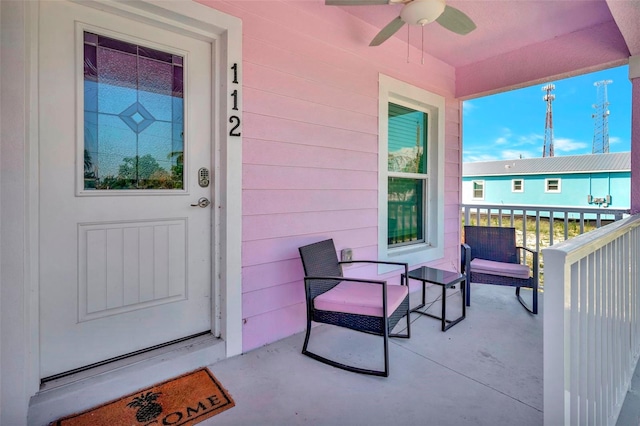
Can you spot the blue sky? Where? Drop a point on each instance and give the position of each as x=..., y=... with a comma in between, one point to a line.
x=509, y=125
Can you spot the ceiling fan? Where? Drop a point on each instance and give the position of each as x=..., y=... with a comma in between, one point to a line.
x=416, y=12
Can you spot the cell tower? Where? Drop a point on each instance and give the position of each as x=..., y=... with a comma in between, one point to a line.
x=601, y=119
x=548, y=126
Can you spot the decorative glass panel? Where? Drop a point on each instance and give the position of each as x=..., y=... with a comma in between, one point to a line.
x=133, y=116
x=407, y=140
x=405, y=207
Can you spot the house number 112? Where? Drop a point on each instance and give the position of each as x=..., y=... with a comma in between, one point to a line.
x=234, y=119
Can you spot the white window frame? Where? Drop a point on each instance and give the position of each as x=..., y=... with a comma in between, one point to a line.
x=546, y=185
x=473, y=189
x=401, y=93
x=513, y=185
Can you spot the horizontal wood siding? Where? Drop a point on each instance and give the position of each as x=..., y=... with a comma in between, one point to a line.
x=310, y=155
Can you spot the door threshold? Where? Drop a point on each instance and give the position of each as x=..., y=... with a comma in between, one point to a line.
x=117, y=362
x=79, y=391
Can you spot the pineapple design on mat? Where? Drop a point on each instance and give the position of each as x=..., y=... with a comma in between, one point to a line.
x=148, y=408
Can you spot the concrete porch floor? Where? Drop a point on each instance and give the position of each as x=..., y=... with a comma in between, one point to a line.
x=486, y=370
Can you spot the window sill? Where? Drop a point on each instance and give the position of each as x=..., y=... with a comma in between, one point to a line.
x=414, y=254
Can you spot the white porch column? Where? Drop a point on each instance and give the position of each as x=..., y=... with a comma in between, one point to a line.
x=634, y=76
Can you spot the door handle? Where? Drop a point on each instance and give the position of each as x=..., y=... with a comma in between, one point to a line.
x=202, y=202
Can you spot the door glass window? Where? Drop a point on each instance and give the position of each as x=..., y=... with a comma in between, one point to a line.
x=133, y=116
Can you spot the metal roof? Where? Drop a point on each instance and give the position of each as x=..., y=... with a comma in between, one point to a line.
x=611, y=162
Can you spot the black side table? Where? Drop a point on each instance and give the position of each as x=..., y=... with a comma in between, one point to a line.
x=445, y=279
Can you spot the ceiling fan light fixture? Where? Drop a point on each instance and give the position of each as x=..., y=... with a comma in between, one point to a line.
x=422, y=12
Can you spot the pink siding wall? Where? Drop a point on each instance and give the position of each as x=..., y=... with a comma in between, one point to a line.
x=310, y=148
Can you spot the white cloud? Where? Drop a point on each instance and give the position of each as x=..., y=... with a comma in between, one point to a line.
x=477, y=157
x=505, y=138
x=508, y=137
x=506, y=146
x=509, y=146
x=468, y=106
x=569, y=145
x=514, y=154
x=531, y=139
x=497, y=155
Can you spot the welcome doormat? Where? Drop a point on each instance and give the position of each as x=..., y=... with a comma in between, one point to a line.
x=185, y=400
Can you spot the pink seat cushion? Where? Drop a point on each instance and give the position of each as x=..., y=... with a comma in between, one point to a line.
x=360, y=298
x=514, y=270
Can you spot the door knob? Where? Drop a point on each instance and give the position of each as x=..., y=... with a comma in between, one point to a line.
x=202, y=202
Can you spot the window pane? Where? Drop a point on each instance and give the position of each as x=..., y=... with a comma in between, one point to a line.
x=478, y=190
x=407, y=140
x=405, y=206
x=133, y=118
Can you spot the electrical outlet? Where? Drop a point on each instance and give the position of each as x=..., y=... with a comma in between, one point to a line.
x=346, y=255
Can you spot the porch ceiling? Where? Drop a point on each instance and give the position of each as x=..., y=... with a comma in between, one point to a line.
x=521, y=42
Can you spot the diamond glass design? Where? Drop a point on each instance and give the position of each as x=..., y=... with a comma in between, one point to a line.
x=137, y=117
x=133, y=116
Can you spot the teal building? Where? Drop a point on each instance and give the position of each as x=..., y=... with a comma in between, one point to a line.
x=577, y=181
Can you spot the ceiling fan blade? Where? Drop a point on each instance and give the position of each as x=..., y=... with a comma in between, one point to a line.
x=456, y=21
x=354, y=2
x=391, y=28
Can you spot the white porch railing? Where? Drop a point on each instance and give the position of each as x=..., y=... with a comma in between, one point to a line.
x=591, y=324
x=542, y=219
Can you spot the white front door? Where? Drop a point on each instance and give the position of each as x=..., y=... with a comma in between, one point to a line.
x=124, y=129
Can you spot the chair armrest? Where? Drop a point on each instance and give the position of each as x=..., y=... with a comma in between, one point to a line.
x=535, y=260
x=465, y=257
x=533, y=252
x=316, y=285
x=384, y=262
x=357, y=280
x=375, y=261
x=527, y=249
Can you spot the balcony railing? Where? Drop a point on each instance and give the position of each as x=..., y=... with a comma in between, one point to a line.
x=541, y=226
x=405, y=222
x=591, y=304
x=591, y=324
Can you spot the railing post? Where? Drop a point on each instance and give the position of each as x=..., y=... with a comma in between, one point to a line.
x=556, y=332
x=524, y=229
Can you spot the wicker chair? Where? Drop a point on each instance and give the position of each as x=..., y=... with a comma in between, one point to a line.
x=369, y=306
x=490, y=256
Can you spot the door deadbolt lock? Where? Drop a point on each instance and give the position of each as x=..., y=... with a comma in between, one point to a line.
x=202, y=202
x=203, y=177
